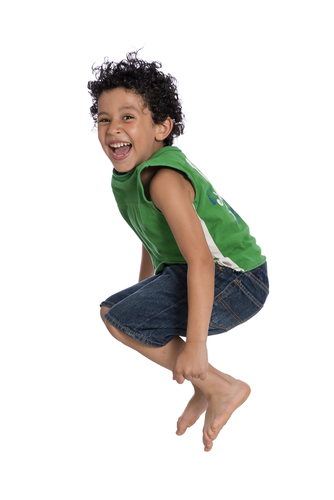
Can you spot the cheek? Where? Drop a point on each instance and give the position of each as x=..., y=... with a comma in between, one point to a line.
x=100, y=135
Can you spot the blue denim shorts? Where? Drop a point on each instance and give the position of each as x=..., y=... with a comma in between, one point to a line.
x=156, y=309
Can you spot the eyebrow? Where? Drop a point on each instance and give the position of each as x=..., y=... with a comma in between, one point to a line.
x=129, y=107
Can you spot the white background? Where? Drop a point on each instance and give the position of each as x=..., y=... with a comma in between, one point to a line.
x=81, y=416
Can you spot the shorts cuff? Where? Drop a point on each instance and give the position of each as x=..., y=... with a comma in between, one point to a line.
x=131, y=333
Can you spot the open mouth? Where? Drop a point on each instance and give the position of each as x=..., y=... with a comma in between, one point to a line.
x=120, y=150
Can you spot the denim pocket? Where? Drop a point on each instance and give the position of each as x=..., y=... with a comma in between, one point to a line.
x=239, y=300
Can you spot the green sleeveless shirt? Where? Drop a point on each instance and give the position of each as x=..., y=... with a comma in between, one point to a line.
x=226, y=233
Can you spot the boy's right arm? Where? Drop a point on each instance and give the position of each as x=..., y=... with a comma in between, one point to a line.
x=146, y=267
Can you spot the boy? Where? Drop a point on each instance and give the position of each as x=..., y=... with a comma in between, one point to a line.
x=201, y=271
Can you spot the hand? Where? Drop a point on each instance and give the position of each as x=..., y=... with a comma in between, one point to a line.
x=191, y=364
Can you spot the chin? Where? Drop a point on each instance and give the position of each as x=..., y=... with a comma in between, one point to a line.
x=123, y=170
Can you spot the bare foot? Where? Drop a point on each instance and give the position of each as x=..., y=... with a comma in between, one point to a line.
x=194, y=409
x=232, y=394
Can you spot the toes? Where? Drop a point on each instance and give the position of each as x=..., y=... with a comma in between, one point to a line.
x=180, y=432
x=211, y=432
x=181, y=428
x=207, y=443
x=218, y=424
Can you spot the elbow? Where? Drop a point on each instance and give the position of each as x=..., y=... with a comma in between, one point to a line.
x=204, y=263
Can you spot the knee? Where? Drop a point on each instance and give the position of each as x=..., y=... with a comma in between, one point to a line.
x=103, y=311
x=114, y=332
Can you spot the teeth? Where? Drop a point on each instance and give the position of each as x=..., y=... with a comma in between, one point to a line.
x=120, y=144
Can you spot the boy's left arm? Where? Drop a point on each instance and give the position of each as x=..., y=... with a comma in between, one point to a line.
x=172, y=194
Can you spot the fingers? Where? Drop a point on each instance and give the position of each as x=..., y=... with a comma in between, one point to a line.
x=178, y=377
x=181, y=377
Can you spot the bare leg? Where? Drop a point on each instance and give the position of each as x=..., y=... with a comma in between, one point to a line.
x=219, y=394
x=166, y=357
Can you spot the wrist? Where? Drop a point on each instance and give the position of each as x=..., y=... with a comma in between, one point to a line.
x=196, y=342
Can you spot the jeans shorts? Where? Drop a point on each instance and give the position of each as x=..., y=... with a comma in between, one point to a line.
x=156, y=309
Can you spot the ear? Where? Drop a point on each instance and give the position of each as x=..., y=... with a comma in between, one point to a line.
x=164, y=129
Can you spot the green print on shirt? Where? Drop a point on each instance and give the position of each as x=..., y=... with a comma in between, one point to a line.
x=215, y=198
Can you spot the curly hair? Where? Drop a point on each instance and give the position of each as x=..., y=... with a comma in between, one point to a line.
x=158, y=91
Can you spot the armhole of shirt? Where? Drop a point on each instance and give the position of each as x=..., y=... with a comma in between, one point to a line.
x=158, y=167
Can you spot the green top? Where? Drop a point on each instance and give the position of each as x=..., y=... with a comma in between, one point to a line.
x=226, y=233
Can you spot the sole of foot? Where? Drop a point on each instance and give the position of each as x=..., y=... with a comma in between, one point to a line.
x=220, y=408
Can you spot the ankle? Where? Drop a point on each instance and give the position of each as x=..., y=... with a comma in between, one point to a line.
x=198, y=393
x=215, y=384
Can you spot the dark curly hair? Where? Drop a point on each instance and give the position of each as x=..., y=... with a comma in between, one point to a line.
x=159, y=91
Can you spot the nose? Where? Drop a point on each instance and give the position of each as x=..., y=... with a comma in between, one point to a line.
x=114, y=127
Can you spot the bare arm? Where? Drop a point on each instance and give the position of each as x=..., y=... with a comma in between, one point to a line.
x=172, y=194
x=146, y=266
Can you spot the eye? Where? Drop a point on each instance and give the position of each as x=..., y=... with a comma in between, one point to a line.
x=104, y=120
x=127, y=117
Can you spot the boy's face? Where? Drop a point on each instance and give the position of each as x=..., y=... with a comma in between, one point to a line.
x=126, y=130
